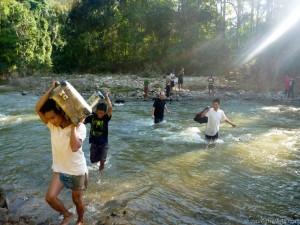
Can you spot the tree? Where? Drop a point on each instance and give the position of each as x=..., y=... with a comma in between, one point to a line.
x=24, y=42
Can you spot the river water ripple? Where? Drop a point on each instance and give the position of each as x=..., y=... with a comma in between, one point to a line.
x=166, y=173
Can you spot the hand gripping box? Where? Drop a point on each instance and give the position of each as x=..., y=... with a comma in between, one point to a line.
x=71, y=102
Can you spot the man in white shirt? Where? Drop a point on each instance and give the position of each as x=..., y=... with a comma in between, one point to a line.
x=69, y=164
x=215, y=116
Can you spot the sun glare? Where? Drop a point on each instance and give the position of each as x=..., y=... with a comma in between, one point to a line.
x=284, y=26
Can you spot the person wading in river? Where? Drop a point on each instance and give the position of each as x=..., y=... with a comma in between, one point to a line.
x=69, y=164
x=159, y=106
x=99, y=132
x=215, y=116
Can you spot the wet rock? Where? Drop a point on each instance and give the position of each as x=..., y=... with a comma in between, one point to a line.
x=14, y=202
x=3, y=203
x=113, y=214
x=3, y=215
x=6, y=88
x=120, y=101
x=230, y=94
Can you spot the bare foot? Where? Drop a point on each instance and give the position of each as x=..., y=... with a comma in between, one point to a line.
x=79, y=223
x=101, y=167
x=66, y=219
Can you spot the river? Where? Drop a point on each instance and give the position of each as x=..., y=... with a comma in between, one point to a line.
x=165, y=173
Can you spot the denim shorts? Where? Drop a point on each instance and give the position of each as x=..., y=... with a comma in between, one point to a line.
x=73, y=182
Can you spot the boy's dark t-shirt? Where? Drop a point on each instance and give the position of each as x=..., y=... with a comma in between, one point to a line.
x=99, y=129
x=159, y=106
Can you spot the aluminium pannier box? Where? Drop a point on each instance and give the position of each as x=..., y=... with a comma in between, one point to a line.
x=96, y=98
x=71, y=102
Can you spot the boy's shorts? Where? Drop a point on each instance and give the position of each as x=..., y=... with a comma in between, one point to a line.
x=98, y=152
x=172, y=83
x=158, y=120
x=73, y=182
x=208, y=137
x=168, y=89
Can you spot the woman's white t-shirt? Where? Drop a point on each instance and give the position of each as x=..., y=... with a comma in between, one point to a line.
x=64, y=159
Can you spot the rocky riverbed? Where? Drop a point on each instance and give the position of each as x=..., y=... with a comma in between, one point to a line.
x=130, y=87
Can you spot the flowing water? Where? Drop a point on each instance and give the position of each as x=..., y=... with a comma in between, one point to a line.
x=165, y=173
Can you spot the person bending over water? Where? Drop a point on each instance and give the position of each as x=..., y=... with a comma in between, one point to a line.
x=215, y=116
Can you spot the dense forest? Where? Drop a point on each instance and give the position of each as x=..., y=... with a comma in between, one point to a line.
x=250, y=37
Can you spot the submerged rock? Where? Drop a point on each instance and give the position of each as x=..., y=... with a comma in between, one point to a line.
x=3, y=203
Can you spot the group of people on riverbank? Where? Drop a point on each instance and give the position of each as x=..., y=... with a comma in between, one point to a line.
x=170, y=84
x=170, y=81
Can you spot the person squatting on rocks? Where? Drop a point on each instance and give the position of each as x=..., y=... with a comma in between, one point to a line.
x=69, y=164
x=215, y=116
x=99, y=132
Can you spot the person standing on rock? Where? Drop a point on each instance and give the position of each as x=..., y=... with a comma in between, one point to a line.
x=286, y=85
x=146, y=89
x=99, y=132
x=172, y=76
x=159, y=106
x=291, y=87
x=69, y=164
x=214, y=117
x=168, y=84
x=180, y=79
x=210, y=85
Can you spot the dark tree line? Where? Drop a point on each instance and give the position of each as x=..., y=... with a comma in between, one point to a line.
x=95, y=36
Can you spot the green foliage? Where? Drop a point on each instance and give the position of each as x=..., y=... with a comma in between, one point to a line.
x=145, y=37
x=122, y=89
x=25, y=41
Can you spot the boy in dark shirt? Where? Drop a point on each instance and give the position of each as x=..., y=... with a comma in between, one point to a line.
x=99, y=132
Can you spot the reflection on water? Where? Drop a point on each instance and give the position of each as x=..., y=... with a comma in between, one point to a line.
x=165, y=173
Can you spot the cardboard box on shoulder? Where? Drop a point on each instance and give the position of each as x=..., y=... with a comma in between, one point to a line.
x=71, y=102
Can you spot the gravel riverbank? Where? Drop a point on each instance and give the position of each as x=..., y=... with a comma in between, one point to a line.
x=130, y=87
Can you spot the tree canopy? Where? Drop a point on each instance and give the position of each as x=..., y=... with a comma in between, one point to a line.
x=94, y=36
